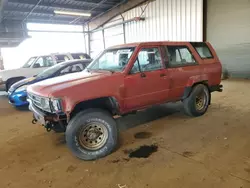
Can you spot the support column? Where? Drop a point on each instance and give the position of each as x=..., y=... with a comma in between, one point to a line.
x=1, y=61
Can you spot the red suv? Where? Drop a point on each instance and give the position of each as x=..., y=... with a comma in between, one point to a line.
x=122, y=80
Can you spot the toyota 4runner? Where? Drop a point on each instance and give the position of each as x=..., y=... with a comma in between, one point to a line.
x=122, y=80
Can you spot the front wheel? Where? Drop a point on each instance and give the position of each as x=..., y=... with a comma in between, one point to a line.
x=92, y=134
x=198, y=101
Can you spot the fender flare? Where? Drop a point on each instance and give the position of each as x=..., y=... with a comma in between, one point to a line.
x=188, y=90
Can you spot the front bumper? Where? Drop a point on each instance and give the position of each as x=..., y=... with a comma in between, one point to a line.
x=18, y=98
x=44, y=117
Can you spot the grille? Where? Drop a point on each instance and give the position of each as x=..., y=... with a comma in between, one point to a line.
x=36, y=100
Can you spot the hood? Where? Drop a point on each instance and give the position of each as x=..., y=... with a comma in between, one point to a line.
x=20, y=83
x=48, y=87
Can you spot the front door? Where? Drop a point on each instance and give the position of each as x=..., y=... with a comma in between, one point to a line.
x=148, y=81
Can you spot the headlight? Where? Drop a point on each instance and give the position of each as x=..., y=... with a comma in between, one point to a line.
x=56, y=105
x=45, y=104
x=22, y=88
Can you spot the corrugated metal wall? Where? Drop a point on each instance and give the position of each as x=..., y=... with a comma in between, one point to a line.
x=114, y=35
x=228, y=29
x=173, y=20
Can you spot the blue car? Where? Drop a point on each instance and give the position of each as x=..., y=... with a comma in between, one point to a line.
x=17, y=93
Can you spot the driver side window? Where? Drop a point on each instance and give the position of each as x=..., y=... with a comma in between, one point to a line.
x=66, y=70
x=38, y=63
x=148, y=59
x=43, y=62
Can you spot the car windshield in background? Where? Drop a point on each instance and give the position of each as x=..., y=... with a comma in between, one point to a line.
x=80, y=56
x=114, y=60
x=50, y=71
x=29, y=62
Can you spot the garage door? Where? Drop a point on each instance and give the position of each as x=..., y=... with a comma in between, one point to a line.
x=228, y=29
x=96, y=43
x=115, y=35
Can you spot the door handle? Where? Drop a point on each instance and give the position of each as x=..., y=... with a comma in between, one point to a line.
x=162, y=75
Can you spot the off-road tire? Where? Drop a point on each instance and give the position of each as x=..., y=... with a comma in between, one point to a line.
x=190, y=103
x=81, y=121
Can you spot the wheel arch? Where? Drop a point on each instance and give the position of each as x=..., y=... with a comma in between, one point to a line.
x=109, y=104
x=188, y=89
x=8, y=81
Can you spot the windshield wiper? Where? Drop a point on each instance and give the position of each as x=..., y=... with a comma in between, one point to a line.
x=101, y=70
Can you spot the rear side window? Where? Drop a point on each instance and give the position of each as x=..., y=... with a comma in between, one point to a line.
x=203, y=50
x=80, y=56
x=179, y=56
x=61, y=58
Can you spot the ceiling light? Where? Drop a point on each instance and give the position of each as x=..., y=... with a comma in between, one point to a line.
x=70, y=13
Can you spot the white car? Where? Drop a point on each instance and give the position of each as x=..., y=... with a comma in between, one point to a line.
x=34, y=66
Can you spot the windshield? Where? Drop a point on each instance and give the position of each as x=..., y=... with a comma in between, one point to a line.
x=112, y=60
x=29, y=62
x=48, y=72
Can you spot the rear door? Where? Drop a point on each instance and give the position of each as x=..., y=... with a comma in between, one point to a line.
x=181, y=66
x=147, y=83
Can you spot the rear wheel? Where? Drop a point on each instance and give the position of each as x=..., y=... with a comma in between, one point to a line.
x=11, y=82
x=92, y=134
x=198, y=101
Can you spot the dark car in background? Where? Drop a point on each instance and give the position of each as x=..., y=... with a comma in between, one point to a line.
x=17, y=93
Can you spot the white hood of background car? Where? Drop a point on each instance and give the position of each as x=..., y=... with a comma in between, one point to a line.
x=24, y=72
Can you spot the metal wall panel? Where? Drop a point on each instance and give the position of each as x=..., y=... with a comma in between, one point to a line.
x=115, y=35
x=228, y=29
x=96, y=43
x=173, y=20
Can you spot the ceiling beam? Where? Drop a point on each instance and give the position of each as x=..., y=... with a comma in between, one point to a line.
x=39, y=19
x=25, y=10
x=80, y=7
x=106, y=16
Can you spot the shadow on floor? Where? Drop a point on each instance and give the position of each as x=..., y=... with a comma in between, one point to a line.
x=23, y=108
x=148, y=115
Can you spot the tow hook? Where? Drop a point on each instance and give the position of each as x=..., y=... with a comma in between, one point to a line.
x=34, y=121
x=48, y=127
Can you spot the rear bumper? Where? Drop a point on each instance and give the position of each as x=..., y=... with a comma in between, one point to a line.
x=218, y=88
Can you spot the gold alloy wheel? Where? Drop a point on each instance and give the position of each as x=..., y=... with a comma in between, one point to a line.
x=93, y=136
x=200, y=101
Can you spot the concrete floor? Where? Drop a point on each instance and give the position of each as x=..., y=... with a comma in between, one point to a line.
x=205, y=152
